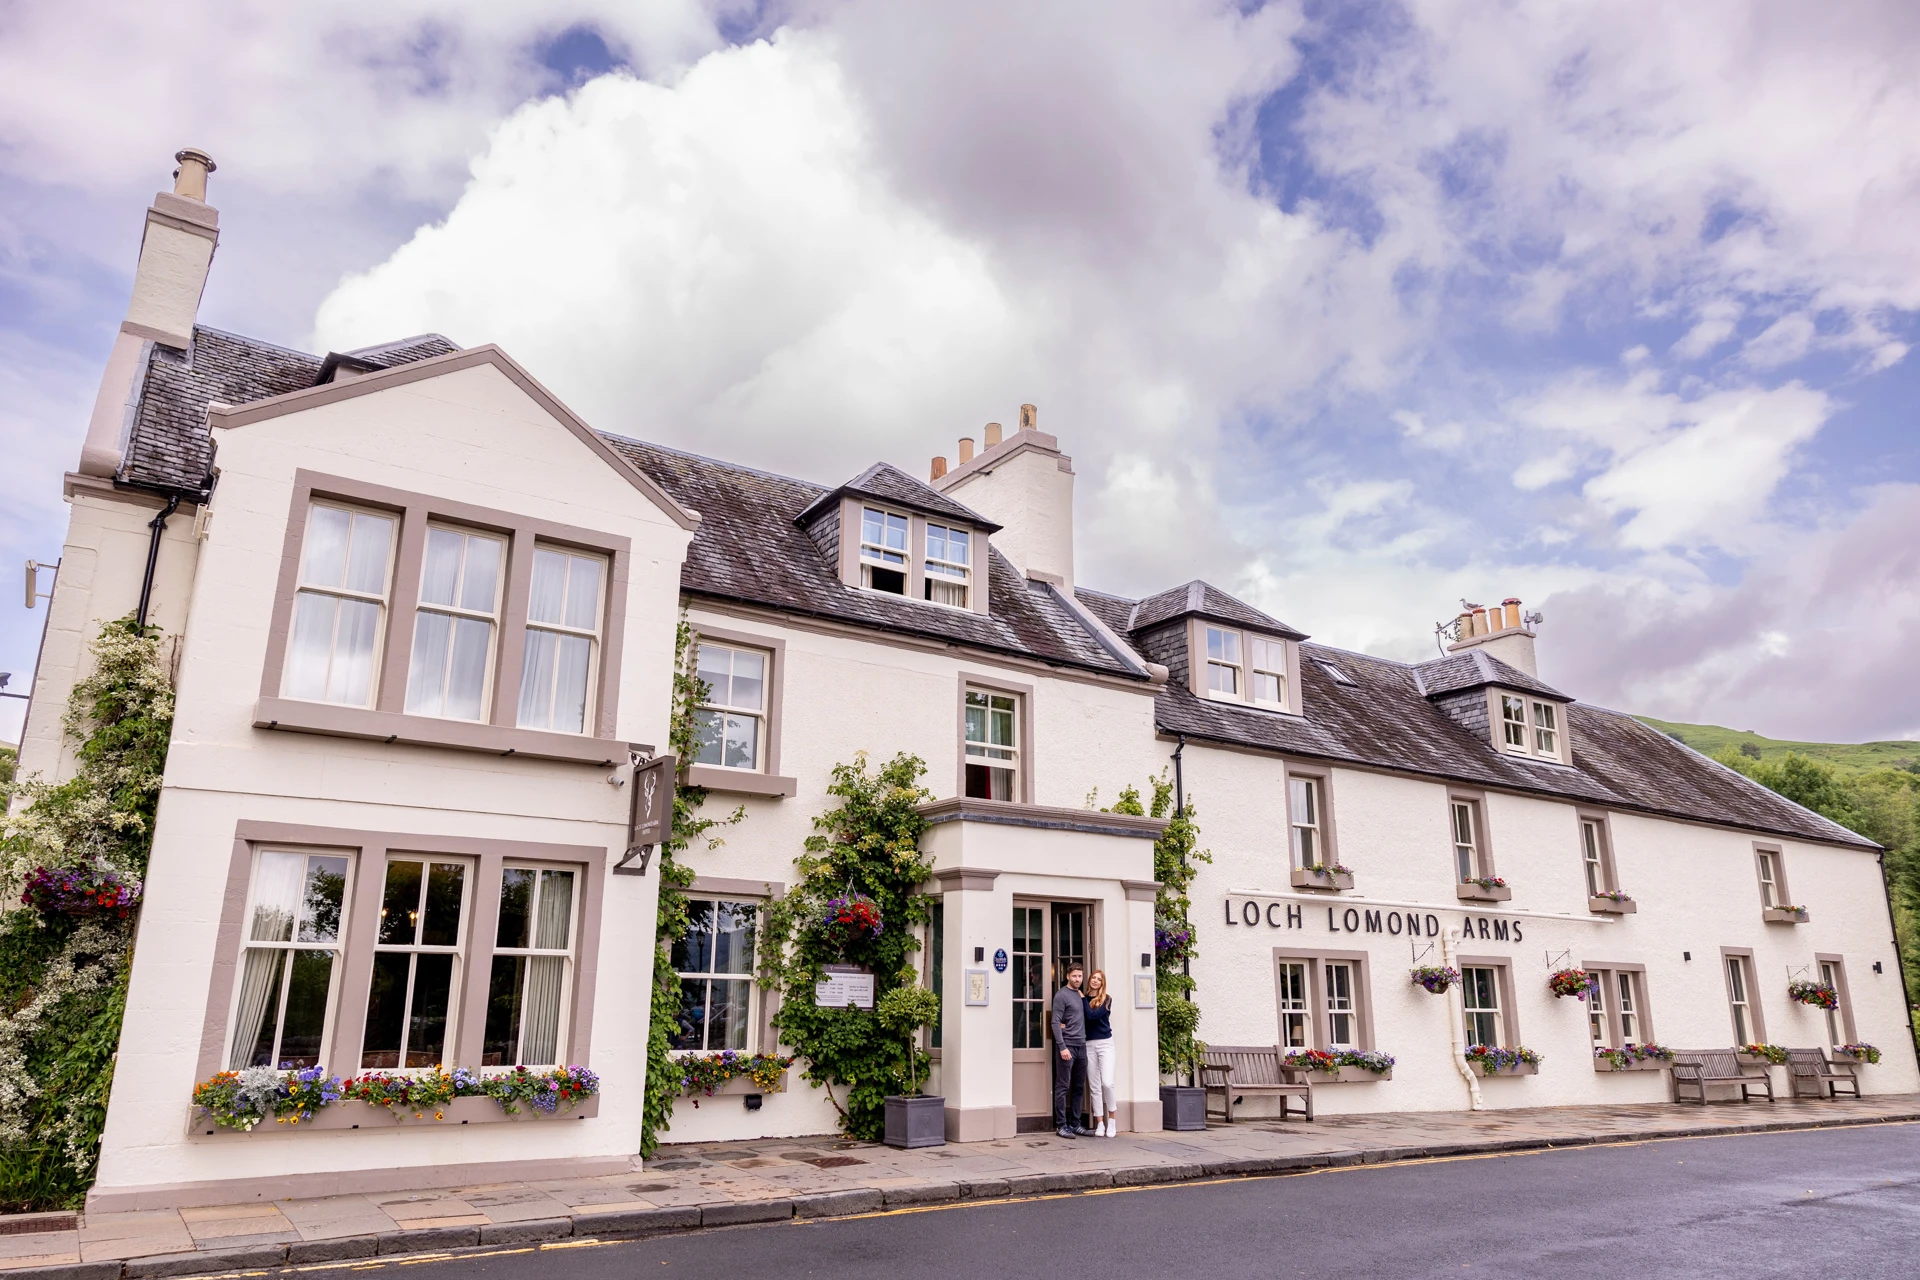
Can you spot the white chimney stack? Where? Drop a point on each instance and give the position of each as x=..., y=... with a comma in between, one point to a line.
x=1503, y=630
x=1024, y=484
x=176, y=252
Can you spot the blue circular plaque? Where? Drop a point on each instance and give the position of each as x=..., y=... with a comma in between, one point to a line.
x=1000, y=960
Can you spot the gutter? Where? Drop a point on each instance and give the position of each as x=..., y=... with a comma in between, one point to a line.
x=1899, y=956
x=1456, y=1025
x=159, y=526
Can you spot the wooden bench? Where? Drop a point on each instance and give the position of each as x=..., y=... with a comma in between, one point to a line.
x=1699, y=1068
x=1813, y=1075
x=1234, y=1071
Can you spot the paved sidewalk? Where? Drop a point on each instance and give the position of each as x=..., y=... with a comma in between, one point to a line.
x=776, y=1179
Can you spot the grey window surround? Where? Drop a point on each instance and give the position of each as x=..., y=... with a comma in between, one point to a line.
x=1316, y=959
x=768, y=780
x=1754, y=1007
x=387, y=720
x=1645, y=1011
x=1024, y=752
x=1196, y=630
x=368, y=852
x=1502, y=967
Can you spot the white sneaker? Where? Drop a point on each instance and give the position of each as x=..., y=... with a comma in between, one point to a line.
x=1107, y=1130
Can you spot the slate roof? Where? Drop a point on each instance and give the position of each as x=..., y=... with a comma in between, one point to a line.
x=1476, y=669
x=888, y=483
x=1386, y=719
x=750, y=548
x=169, y=448
x=1203, y=599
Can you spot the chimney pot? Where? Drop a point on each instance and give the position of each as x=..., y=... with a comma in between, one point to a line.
x=1029, y=418
x=966, y=450
x=993, y=434
x=939, y=467
x=1511, y=607
x=190, y=179
x=1480, y=627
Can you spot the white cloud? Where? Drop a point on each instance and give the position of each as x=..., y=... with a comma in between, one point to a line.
x=1538, y=473
x=1782, y=342
x=1718, y=320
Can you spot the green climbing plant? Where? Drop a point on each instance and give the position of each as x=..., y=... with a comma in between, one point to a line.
x=63, y=978
x=866, y=847
x=665, y=1081
x=1176, y=859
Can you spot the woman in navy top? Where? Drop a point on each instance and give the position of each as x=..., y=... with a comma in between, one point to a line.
x=1100, y=1057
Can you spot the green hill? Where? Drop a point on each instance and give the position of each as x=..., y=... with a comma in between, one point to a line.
x=1847, y=757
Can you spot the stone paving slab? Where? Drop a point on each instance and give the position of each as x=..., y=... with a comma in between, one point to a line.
x=691, y=1186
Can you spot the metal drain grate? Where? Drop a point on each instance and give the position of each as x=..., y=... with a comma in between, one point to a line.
x=27, y=1224
x=834, y=1162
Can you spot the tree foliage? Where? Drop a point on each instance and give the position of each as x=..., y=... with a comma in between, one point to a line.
x=1175, y=864
x=867, y=844
x=63, y=980
x=683, y=739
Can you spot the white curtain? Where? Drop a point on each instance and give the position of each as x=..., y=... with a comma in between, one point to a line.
x=546, y=975
x=259, y=981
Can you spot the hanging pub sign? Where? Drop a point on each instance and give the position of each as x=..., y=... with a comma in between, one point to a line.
x=844, y=986
x=649, y=813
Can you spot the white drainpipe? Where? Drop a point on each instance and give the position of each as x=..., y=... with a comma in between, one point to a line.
x=1456, y=1025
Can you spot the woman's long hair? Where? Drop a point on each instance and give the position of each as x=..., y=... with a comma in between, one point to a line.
x=1105, y=997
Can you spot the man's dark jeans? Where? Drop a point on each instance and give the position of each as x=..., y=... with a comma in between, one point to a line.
x=1069, y=1083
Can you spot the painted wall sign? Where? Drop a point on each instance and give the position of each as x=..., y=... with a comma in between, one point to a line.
x=845, y=986
x=1249, y=913
x=1000, y=960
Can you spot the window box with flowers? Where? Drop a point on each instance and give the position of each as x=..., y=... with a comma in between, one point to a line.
x=1771, y=1055
x=1340, y=1066
x=243, y=1101
x=1784, y=915
x=1323, y=875
x=1632, y=1057
x=1484, y=889
x=1862, y=1053
x=730, y=1072
x=1612, y=903
x=1495, y=1060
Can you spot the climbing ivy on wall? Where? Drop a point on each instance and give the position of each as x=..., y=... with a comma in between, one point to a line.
x=63, y=976
x=664, y=1080
x=1175, y=863
x=867, y=847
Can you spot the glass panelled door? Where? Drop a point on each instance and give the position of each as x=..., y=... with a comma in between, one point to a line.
x=1029, y=978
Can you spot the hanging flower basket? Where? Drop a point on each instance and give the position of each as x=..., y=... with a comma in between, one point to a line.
x=1436, y=978
x=1172, y=939
x=1817, y=994
x=851, y=918
x=1577, y=983
x=97, y=890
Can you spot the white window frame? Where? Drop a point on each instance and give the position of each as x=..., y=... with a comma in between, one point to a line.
x=1274, y=667
x=1740, y=1000
x=1472, y=849
x=1471, y=1012
x=1306, y=813
x=878, y=555
x=1831, y=975
x=1294, y=987
x=1525, y=725
x=1599, y=1025
x=980, y=751
x=460, y=950
x=711, y=975
x=758, y=713
x=382, y=601
x=593, y=637
x=1629, y=1009
x=1513, y=724
x=1770, y=896
x=458, y=612
x=1593, y=857
x=563, y=1032
x=1546, y=729
x=943, y=571
x=1232, y=661
x=1341, y=1004
x=293, y=943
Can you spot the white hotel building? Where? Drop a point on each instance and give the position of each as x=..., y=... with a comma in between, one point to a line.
x=423, y=615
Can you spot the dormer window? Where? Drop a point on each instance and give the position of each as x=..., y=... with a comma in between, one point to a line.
x=949, y=566
x=1234, y=664
x=883, y=551
x=1529, y=727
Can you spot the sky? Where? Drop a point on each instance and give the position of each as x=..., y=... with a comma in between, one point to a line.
x=1355, y=310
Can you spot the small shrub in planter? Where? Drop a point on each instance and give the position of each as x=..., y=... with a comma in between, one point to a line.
x=1776, y=1055
x=1493, y=1059
x=1577, y=983
x=1436, y=978
x=1860, y=1052
x=1817, y=994
x=913, y=1119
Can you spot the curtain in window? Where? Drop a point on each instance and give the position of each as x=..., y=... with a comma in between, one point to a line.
x=546, y=975
x=254, y=1023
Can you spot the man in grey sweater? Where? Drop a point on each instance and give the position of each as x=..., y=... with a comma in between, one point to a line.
x=1070, y=1060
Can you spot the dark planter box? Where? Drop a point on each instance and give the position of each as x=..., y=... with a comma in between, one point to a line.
x=1183, y=1108
x=916, y=1122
